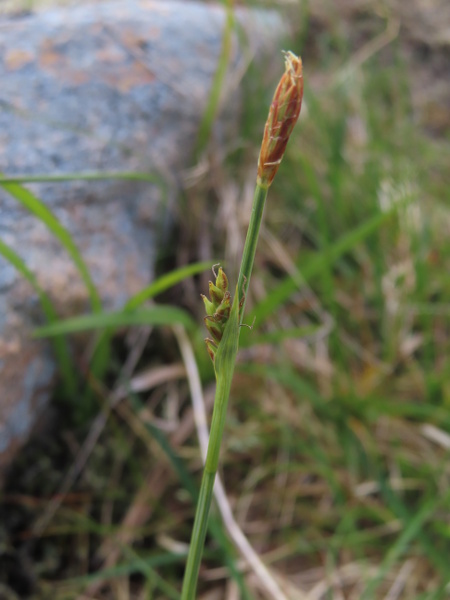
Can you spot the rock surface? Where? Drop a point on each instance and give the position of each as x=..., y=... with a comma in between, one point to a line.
x=107, y=87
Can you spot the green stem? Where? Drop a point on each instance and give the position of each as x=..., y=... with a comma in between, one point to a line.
x=206, y=488
x=248, y=256
x=224, y=365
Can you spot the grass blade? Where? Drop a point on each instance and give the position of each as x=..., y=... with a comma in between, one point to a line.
x=165, y=282
x=189, y=484
x=35, y=206
x=210, y=111
x=315, y=266
x=59, y=344
x=399, y=547
x=94, y=176
x=126, y=568
x=156, y=315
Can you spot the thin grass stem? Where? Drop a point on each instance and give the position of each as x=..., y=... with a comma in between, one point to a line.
x=248, y=256
x=283, y=115
x=224, y=374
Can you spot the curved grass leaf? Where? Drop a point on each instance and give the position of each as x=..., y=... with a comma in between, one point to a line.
x=400, y=546
x=317, y=264
x=155, y=315
x=60, y=345
x=165, y=282
x=35, y=206
x=126, y=568
x=94, y=176
x=212, y=106
x=101, y=356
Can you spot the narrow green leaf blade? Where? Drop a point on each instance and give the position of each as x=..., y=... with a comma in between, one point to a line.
x=281, y=292
x=156, y=315
x=60, y=345
x=165, y=282
x=92, y=176
x=36, y=207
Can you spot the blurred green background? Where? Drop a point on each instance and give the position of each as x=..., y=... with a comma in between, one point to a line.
x=335, y=457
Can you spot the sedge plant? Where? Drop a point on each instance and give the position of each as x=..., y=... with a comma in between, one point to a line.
x=224, y=315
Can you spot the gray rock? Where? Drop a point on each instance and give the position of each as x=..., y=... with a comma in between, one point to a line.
x=107, y=87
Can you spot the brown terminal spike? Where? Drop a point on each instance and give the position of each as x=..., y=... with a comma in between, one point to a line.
x=283, y=115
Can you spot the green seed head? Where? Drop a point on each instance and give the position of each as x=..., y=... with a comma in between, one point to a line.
x=216, y=294
x=211, y=346
x=210, y=308
x=218, y=310
x=222, y=280
x=214, y=328
x=223, y=312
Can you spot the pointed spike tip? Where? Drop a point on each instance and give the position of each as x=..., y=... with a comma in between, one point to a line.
x=222, y=280
x=210, y=308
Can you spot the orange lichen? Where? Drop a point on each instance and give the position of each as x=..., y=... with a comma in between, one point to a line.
x=16, y=59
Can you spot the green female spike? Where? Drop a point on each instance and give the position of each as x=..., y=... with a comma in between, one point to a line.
x=223, y=312
x=210, y=308
x=222, y=280
x=216, y=294
x=214, y=328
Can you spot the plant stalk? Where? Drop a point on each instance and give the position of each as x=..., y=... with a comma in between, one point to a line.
x=207, y=485
x=248, y=256
x=283, y=115
x=224, y=377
